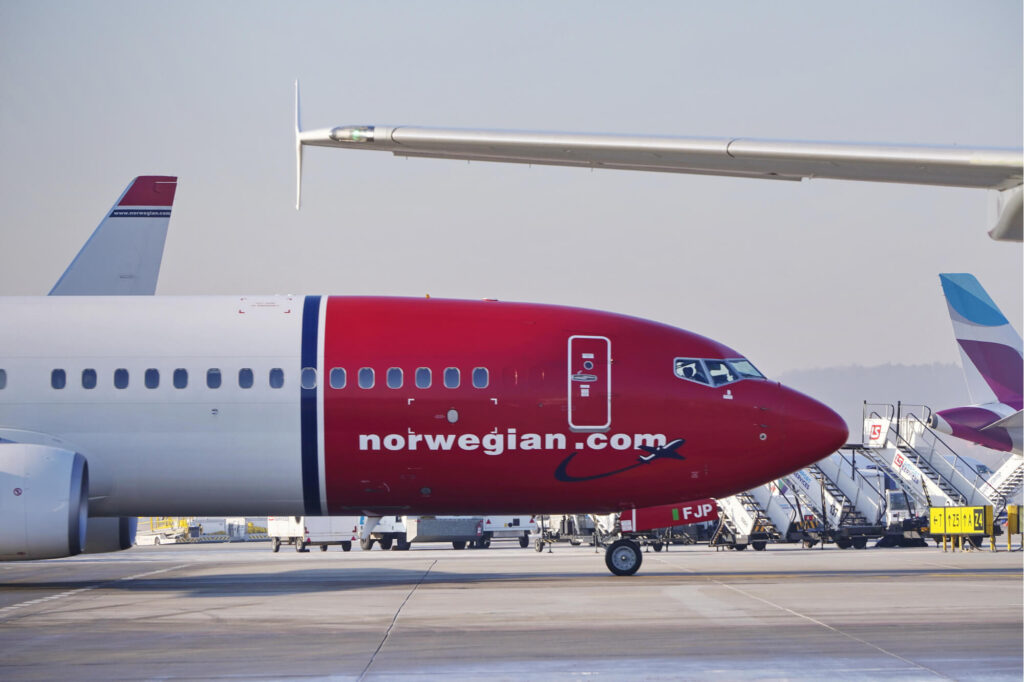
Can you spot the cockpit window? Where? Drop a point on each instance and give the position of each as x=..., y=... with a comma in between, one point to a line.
x=745, y=369
x=715, y=372
x=692, y=370
x=719, y=372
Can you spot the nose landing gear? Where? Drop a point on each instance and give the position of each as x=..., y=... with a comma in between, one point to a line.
x=623, y=557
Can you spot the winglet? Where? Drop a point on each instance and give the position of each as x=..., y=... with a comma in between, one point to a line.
x=298, y=150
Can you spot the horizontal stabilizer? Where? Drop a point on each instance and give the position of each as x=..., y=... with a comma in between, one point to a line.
x=1014, y=421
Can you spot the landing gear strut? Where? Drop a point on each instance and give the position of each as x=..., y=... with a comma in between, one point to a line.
x=623, y=557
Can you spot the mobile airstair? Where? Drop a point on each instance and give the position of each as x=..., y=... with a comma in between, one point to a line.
x=848, y=503
x=926, y=467
x=1009, y=477
x=747, y=519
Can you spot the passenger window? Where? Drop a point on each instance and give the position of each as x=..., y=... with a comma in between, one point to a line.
x=3, y=379
x=394, y=377
x=58, y=378
x=245, y=378
x=719, y=372
x=366, y=377
x=88, y=379
x=152, y=378
x=213, y=378
x=121, y=378
x=691, y=369
x=451, y=377
x=180, y=378
x=309, y=378
x=423, y=377
x=481, y=377
x=338, y=377
x=276, y=377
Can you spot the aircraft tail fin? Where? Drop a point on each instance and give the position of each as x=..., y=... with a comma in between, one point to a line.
x=990, y=348
x=123, y=255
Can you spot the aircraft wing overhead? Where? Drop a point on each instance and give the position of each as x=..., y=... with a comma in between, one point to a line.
x=972, y=167
x=774, y=159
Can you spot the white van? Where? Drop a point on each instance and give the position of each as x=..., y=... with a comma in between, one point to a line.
x=304, y=531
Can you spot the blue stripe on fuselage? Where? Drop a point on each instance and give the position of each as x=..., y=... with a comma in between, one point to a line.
x=310, y=466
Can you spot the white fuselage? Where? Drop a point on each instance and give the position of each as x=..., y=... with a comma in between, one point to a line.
x=193, y=449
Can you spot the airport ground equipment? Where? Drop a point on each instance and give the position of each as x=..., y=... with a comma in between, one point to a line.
x=576, y=529
x=460, y=531
x=166, y=530
x=898, y=440
x=312, y=531
x=386, y=531
x=1009, y=477
x=848, y=503
x=743, y=521
x=519, y=527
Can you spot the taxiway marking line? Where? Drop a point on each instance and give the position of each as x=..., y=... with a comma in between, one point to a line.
x=8, y=610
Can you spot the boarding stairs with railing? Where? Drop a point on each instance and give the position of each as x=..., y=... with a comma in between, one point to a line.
x=925, y=465
x=742, y=520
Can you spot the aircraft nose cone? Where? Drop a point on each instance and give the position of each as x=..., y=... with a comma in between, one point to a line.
x=813, y=430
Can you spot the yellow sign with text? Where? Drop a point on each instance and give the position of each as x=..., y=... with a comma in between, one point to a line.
x=961, y=520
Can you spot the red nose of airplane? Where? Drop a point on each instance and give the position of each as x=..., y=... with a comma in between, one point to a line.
x=813, y=430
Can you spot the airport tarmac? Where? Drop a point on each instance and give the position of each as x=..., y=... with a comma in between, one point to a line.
x=215, y=611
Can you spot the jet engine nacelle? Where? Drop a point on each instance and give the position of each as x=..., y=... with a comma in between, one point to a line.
x=44, y=501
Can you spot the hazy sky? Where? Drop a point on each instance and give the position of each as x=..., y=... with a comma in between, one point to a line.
x=794, y=275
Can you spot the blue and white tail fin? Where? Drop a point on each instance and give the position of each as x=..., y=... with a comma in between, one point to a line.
x=123, y=255
x=989, y=347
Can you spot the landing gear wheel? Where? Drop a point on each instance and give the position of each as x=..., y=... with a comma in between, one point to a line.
x=459, y=544
x=275, y=544
x=366, y=544
x=759, y=546
x=524, y=540
x=346, y=546
x=623, y=557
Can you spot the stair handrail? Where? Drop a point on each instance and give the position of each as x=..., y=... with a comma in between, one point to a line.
x=948, y=460
x=857, y=475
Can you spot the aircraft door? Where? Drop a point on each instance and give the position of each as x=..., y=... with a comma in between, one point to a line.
x=590, y=383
